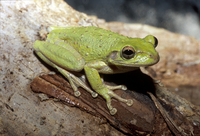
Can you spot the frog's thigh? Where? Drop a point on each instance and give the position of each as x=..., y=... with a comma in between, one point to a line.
x=64, y=56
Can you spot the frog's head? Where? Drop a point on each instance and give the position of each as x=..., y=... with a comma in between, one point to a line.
x=135, y=52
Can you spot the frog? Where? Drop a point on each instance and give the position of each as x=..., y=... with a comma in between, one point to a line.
x=96, y=51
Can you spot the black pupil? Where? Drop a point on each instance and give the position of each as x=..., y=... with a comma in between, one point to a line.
x=128, y=52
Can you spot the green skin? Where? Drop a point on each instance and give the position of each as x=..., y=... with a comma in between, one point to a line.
x=96, y=51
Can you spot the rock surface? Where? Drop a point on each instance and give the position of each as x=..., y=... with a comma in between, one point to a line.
x=22, y=113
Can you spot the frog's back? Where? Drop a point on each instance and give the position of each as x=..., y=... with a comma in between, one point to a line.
x=92, y=42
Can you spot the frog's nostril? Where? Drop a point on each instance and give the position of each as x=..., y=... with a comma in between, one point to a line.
x=155, y=57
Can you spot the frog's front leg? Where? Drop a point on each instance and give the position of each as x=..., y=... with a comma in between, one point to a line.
x=102, y=89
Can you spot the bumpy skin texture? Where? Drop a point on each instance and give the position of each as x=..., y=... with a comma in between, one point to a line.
x=96, y=51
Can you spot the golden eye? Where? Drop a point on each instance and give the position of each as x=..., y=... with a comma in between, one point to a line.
x=128, y=52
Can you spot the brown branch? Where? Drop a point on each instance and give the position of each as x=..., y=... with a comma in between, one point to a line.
x=141, y=118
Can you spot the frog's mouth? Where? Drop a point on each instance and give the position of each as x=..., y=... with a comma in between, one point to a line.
x=139, y=60
x=144, y=60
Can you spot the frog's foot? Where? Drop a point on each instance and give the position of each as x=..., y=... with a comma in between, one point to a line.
x=123, y=87
x=75, y=82
x=108, y=95
x=129, y=102
x=80, y=83
x=72, y=82
x=112, y=110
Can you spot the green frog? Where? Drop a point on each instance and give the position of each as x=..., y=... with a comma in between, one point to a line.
x=96, y=50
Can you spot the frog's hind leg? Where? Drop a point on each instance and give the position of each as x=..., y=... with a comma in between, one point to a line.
x=74, y=81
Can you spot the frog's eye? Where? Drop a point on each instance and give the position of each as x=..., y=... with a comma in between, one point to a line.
x=155, y=42
x=128, y=52
x=151, y=39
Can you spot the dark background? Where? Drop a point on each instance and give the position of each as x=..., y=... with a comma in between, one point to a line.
x=181, y=16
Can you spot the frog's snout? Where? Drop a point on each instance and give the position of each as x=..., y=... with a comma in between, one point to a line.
x=155, y=57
